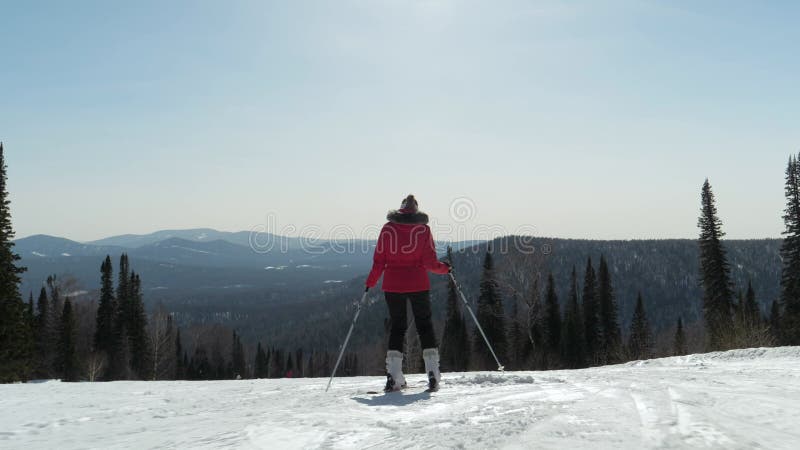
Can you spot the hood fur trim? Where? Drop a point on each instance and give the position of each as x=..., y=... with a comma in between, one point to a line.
x=417, y=218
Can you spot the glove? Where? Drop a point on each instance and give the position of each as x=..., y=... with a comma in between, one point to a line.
x=449, y=266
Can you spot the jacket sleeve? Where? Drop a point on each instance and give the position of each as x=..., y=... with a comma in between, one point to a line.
x=429, y=259
x=378, y=259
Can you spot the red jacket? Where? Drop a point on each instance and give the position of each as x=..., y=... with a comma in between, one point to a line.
x=406, y=252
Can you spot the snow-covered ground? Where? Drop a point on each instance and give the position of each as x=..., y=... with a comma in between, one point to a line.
x=739, y=399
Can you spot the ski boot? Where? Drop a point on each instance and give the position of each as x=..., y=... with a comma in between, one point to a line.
x=431, y=357
x=395, y=380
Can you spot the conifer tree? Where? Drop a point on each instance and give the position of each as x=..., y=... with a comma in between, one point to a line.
x=640, y=343
x=574, y=345
x=16, y=340
x=30, y=312
x=261, y=364
x=752, y=312
x=137, y=330
x=552, y=321
x=42, y=349
x=790, y=253
x=106, y=309
x=610, y=348
x=180, y=367
x=491, y=316
x=679, y=346
x=41, y=311
x=455, y=340
x=68, y=364
x=714, y=274
x=775, y=321
x=311, y=369
x=119, y=360
x=237, y=357
x=299, y=363
x=591, y=314
x=289, y=372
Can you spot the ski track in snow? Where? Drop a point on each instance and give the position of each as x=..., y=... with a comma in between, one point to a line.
x=740, y=399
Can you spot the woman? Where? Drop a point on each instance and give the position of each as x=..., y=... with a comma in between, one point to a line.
x=406, y=253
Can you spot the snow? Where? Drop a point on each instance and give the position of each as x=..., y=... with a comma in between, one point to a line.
x=194, y=250
x=739, y=399
x=65, y=254
x=41, y=255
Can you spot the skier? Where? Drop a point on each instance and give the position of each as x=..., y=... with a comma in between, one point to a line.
x=406, y=253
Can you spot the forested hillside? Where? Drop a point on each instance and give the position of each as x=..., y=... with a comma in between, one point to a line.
x=665, y=272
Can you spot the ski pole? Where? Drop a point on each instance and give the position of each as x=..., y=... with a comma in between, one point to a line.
x=466, y=303
x=347, y=339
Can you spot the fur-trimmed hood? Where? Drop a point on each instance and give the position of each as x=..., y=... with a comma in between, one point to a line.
x=417, y=218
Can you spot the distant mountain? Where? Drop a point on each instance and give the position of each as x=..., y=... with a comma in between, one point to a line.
x=44, y=246
x=193, y=235
x=245, y=239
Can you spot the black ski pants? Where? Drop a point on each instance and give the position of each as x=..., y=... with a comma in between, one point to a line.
x=421, y=308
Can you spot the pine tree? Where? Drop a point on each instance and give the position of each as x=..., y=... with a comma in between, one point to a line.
x=41, y=311
x=715, y=274
x=298, y=361
x=237, y=357
x=775, y=321
x=137, y=330
x=16, y=340
x=640, y=343
x=574, y=345
x=679, y=346
x=52, y=327
x=311, y=369
x=120, y=354
x=41, y=320
x=455, y=342
x=261, y=364
x=67, y=355
x=790, y=253
x=591, y=315
x=752, y=312
x=30, y=313
x=609, y=351
x=552, y=321
x=180, y=367
x=104, y=329
x=491, y=316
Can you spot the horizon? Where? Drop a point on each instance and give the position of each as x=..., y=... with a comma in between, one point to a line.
x=93, y=241
x=583, y=121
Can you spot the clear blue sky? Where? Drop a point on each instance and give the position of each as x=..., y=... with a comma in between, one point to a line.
x=583, y=119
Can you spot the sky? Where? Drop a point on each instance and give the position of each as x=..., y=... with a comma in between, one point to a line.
x=574, y=119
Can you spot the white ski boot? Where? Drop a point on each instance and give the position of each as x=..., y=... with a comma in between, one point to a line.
x=431, y=357
x=395, y=380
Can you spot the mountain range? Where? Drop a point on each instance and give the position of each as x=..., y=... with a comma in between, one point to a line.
x=176, y=262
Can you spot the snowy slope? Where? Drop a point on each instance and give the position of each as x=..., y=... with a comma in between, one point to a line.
x=739, y=399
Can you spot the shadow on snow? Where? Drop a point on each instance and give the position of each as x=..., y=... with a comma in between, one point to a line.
x=393, y=399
